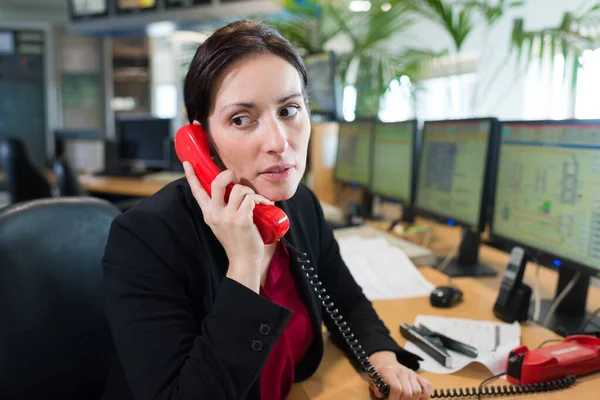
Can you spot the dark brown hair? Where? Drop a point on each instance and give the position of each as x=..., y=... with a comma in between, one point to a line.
x=224, y=47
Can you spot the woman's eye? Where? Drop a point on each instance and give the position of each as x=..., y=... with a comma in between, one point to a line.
x=241, y=121
x=289, y=111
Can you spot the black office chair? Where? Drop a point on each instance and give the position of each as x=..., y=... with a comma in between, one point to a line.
x=24, y=180
x=54, y=339
x=67, y=182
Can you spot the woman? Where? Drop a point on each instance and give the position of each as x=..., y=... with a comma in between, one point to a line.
x=198, y=306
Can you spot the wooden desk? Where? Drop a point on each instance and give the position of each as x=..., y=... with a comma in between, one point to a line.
x=337, y=379
x=113, y=185
x=123, y=186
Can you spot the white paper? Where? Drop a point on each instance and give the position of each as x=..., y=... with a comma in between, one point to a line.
x=382, y=270
x=493, y=340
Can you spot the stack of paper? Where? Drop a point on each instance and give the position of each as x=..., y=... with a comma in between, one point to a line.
x=493, y=340
x=382, y=270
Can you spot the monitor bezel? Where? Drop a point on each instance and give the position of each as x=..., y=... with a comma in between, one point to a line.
x=415, y=148
x=336, y=178
x=490, y=162
x=544, y=257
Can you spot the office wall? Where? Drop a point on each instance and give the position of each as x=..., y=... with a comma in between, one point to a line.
x=506, y=95
x=28, y=11
x=81, y=95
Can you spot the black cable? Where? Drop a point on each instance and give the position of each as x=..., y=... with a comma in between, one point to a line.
x=338, y=320
x=503, y=390
x=488, y=380
x=589, y=319
x=549, y=341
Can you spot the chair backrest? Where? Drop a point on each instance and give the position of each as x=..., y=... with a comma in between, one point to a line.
x=67, y=182
x=24, y=180
x=54, y=339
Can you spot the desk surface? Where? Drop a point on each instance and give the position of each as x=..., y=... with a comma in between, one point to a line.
x=123, y=186
x=337, y=379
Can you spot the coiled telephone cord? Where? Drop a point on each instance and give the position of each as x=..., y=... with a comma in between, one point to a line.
x=503, y=390
x=344, y=329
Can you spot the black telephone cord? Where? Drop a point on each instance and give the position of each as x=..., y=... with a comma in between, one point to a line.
x=337, y=318
x=503, y=390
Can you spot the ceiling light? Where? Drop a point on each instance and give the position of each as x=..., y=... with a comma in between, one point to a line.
x=360, y=5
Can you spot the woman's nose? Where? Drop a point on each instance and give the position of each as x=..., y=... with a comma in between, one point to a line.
x=275, y=137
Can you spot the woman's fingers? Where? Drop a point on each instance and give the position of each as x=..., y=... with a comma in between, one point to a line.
x=238, y=193
x=425, y=386
x=218, y=187
x=199, y=193
x=417, y=390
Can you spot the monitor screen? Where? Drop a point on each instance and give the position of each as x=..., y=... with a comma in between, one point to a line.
x=452, y=169
x=7, y=43
x=393, y=160
x=135, y=5
x=88, y=8
x=354, y=152
x=144, y=141
x=547, y=189
x=320, y=69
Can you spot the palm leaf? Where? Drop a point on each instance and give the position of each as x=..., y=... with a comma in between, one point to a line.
x=455, y=19
x=568, y=39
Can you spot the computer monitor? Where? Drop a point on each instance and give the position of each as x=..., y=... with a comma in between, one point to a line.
x=353, y=160
x=547, y=200
x=143, y=142
x=394, y=159
x=62, y=136
x=453, y=185
x=175, y=165
x=324, y=88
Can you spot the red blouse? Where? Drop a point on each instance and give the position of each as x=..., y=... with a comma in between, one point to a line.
x=278, y=373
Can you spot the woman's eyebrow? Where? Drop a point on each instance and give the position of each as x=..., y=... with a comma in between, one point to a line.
x=238, y=104
x=253, y=105
x=286, y=98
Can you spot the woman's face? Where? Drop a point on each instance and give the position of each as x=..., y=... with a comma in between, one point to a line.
x=260, y=126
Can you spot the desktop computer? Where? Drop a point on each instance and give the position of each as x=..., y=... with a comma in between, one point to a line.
x=547, y=200
x=394, y=164
x=143, y=143
x=353, y=161
x=453, y=184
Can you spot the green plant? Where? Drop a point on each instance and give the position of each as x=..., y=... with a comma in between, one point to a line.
x=370, y=63
x=576, y=33
x=308, y=25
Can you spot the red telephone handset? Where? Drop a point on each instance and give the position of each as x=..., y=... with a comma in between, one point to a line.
x=191, y=144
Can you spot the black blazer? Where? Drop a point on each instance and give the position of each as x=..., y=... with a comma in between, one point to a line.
x=184, y=331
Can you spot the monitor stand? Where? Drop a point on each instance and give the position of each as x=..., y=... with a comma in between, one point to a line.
x=570, y=314
x=467, y=262
x=368, y=199
x=407, y=217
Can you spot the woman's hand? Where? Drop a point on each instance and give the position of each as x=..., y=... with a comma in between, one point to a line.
x=232, y=223
x=404, y=383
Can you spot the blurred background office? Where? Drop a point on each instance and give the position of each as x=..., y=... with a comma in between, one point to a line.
x=479, y=118
x=72, y=71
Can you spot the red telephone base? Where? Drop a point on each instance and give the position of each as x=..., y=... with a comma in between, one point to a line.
x=576, y=355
